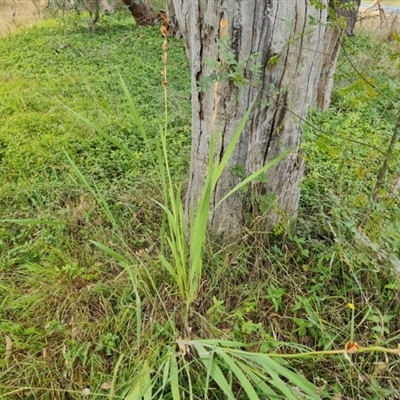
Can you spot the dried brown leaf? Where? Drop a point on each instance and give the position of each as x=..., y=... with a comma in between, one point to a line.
x=223, y=28
x=183, y=348
x=164, y=31
x=106, y=385
x=351, y=347
x=380, y=367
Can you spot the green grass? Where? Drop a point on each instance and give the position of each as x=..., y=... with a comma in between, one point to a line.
x=45, y=70
x=87, y=304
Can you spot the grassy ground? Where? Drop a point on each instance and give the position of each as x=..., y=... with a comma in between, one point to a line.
x=17, y=13
x=76, y=283
x=73, y=323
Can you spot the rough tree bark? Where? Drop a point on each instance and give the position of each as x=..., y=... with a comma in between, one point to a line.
x=349, y=14
x=141, y=11
x=291, y=61
x=332, y=42
x=173, y=28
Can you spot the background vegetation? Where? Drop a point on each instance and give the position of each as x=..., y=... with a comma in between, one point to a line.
x=72, y=321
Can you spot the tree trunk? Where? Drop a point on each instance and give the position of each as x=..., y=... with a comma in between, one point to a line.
x=290, y=53
x=350, y=15
x=332, y=42
x=141, y=11
x=173, y=28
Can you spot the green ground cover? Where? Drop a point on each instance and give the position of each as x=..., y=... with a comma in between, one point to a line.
x=71, y=320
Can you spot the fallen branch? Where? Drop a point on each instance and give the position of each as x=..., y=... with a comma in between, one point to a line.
x=374, y=4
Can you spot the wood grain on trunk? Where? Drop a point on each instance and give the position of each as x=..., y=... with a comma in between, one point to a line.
x=288, y=85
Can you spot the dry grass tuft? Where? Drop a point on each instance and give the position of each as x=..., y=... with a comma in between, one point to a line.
x=17, y=13
x=380, y=26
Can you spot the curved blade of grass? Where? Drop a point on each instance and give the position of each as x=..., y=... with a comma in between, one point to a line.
x=213, y=342
x=102, y=133
x=254, y=175
x=168, y=266
x=258, y=378
x=282, y=386
x=95, y=192
x=166, y=373
x=125, y=264
x=114, y=376
x=231, y=146
x=198, y=226
x=161, y=170
x=271, y=366
x=174, y=378
x=207, y=383
x=213, y=369
x=241, y=377
x=104, y=205
x=32, y=221
x=136, y=116
x=143, y=384
x=177, y=244
x=189, y=386
x=148, y=384
x=124, y=261
x=80, y=175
